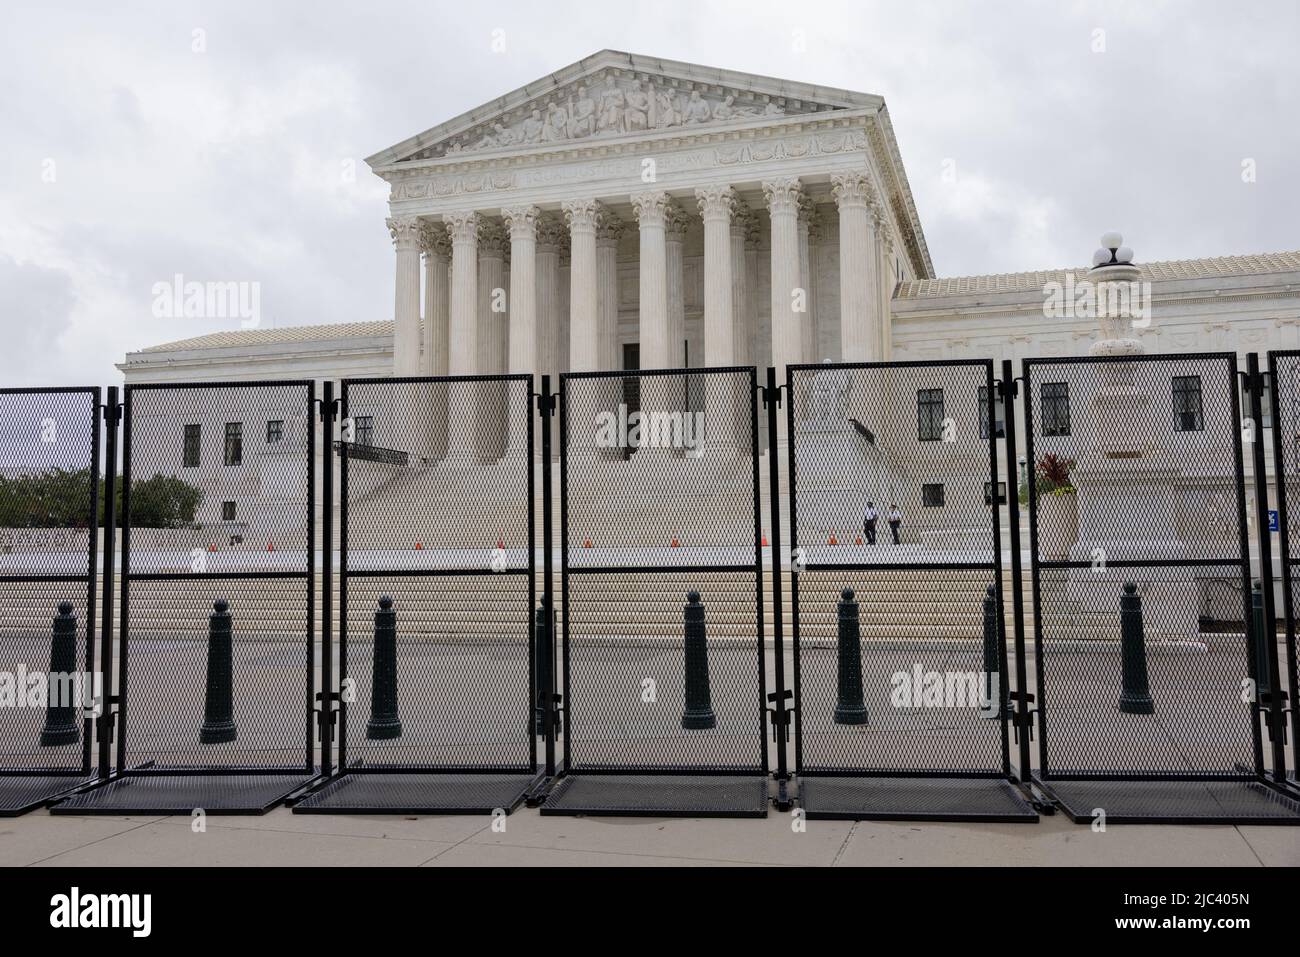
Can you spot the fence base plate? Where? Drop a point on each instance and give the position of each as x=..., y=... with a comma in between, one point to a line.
x=913, y=799
x=428, y=792
x=22, y=793
x=659, y=795
x=161, y=793
x=1173, y=802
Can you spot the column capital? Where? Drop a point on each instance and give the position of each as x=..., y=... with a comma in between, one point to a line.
x=462, y=226
x=716, y=202
x=742, y=219
x=610, y=229
x=521, y=221
x=493, y=240
x=552, y=235
x=582, y=214
x=651, y=209
x=783, y=194
x=809, y=219
x=676, y=221
x=405, y=232
x=853, y=189
x=434, y=239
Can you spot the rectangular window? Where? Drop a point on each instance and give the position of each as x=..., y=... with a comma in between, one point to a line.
x=929, y=414
x=999, y=419
x=1056, y=408
x=1187, y=404
x=988, y=493
x=364, y=433
x=932, y=495
x=274, y=431
x=234, y=443
x=227, y=511
x=193, y=438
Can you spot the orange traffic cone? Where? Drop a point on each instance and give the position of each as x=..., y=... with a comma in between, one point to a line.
x=676, y=544
x=831, y=541
x=419, y=546
x=270, y=547
x=586, y=543
x=858, y=540
x=501, y=543
x=765, y=539
x=212, y=548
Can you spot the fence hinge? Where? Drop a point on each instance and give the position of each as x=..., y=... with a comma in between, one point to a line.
x=781, y=713
x=1004, y=386
x=771, y=395
x=330, y=413
x=546, y=402
x=112, y=413
x=327, y=714
x=106, y=721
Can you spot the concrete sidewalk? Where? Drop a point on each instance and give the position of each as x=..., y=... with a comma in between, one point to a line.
x=285, y=839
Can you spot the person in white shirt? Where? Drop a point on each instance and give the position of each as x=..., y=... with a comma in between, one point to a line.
x=869, y=522
x=895, y=520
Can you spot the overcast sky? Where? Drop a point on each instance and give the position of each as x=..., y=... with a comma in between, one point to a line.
x=128, y=156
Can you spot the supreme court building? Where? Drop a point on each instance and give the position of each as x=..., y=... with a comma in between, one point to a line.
x=631, y=212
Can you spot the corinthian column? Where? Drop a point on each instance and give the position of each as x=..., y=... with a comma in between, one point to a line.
x=884, y=287
x=651, y=211
x=493, y=321
x=740, y=224
x=675, y=223
x=521, y=221
x=406, y=303
x=783, y=197
x=721, y=400
x=436, y=246
x=608, y=232
x=809, y=233
x=463, y=228
x=859, y=268
x=583, y=215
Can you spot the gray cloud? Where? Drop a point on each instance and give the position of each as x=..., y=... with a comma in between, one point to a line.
x=227, y=164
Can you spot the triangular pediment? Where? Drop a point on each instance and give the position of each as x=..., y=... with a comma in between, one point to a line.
x=614, y=94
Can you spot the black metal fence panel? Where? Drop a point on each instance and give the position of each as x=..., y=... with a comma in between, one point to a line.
x=218, y=494
x=49, y=517
x=1284, y=425
x=900, y=663
x=1146, y=663
x=662, y=594
x=437, y=517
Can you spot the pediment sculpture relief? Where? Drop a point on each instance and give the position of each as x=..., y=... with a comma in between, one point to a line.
x=613, y=107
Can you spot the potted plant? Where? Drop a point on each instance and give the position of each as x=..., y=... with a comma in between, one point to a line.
x=1058, y=509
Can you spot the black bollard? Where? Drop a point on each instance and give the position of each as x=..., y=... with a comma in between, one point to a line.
x=1135, y=696
x=1263, y=643
x=699, y=708
x=993, y=689
x=384, y=722
x=219, y=706
x=541, y=667
x=61, y=716
x=849, y=706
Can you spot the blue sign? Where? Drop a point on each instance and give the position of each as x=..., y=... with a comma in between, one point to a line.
x=1272, y=520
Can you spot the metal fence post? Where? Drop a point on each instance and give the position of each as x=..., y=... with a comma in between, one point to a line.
x=1135, y=696
x=849, y=706
x=995, y=695
x=61, y=716
x=699, y=708
x=1263, y=677
x=384, y=722
x=218, y=709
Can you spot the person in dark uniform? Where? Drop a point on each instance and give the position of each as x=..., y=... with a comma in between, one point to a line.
x=895, y=520
x=869, y=523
